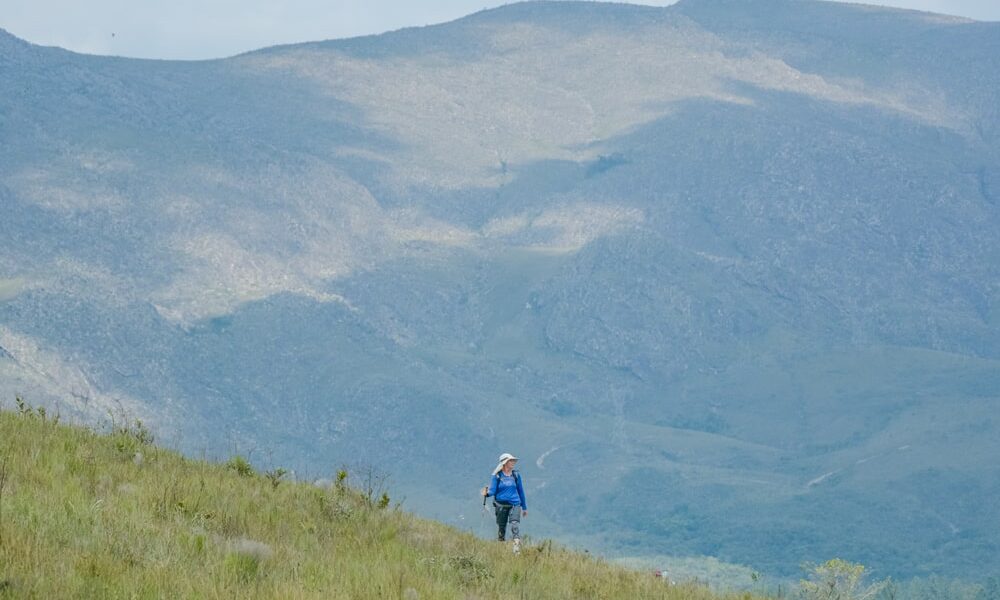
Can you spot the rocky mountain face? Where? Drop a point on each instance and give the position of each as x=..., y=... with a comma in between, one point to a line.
x=726, y=275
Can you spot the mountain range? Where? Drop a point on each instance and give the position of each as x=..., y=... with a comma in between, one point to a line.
x=725, y=275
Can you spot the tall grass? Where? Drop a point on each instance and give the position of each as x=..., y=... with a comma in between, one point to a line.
x=89, y=515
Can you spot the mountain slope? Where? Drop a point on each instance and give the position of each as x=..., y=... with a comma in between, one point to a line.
x=112, y=516
x=735, y=261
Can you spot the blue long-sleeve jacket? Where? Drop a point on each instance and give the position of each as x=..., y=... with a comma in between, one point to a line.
x=508, y=489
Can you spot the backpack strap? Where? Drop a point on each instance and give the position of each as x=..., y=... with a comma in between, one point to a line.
x=515, y=473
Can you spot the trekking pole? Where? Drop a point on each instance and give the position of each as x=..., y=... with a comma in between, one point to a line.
x=482, y=515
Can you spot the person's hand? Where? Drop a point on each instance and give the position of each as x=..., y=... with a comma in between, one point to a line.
x=485, y=491
x=524, y=513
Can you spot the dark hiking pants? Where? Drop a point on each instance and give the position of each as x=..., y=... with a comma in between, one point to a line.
x=507, y=514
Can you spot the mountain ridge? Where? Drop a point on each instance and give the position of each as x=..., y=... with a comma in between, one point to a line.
x=556, y=10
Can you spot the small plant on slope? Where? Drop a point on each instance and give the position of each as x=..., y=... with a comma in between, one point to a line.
x=838, y=580
x=241, y=465
x=275, y=476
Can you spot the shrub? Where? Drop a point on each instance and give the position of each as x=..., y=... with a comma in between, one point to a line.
x=838, y=580
x=275, y=476
x=26, y=410
x=241, y=465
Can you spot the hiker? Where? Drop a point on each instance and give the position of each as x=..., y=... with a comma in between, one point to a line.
x=508, y=499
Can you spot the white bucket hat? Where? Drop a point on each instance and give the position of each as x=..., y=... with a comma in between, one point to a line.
x=503, y=460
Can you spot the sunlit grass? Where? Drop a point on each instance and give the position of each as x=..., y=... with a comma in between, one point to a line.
x=89, y=515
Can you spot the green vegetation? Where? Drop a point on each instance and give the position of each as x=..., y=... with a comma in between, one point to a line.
x=839, y=580
x=90, y=515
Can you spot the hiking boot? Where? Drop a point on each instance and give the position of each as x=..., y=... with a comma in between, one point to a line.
x=517, y=545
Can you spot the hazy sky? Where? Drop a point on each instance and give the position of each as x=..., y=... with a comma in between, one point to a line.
x=192, y=29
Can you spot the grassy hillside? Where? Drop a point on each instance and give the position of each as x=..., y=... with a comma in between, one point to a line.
x=92, y=515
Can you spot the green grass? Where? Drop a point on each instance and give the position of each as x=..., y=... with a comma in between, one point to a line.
x=90, y=515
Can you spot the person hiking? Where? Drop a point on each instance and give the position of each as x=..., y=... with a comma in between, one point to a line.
x=508, y=499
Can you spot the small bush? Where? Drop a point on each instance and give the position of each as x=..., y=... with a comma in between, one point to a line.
x=838, y=580
x=23, y=408
x=275, y=476
x=26, y=410
x=241, y=465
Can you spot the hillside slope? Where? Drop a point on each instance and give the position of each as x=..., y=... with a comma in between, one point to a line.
x=110, y=516
x=734, y=260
